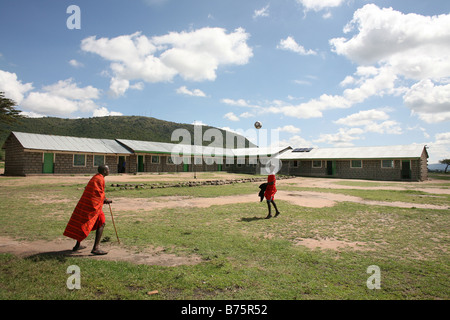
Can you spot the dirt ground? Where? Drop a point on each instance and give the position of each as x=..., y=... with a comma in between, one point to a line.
x=116, y=252
x=156, y=256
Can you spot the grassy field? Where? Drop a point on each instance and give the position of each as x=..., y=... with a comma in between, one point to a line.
x=243, y=256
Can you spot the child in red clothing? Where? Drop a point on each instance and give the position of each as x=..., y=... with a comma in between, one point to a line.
x=269, y=194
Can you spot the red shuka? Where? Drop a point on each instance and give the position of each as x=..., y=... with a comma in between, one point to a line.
x=270, y=189
x=88, y=214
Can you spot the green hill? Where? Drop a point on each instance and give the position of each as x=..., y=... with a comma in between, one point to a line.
x=112, y=127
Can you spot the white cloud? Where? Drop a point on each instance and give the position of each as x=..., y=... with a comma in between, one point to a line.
x=62, y=98
x=306, y=110
x=199, y=123
x=291, y=45
x=194, y=93
x=289, y=128
x=378, y=82
x=326, y=15
x=238, y=103
x=363, y=118
x=68, y=89
x=312, y=108
x=246, y=115
x=385, y=127
x=373, y=120
x=434, y=117
x=303, y=82
x=295, y=141
x=415, y=46
x=30, y=114
x=118, y=86
x=263, y=12
x=439, y=148
x=194, y=55
x=343, y=138
x=12, y=87
x=404, y=46
x=75, y=63
x=431, y=102
x=318, y=5
x=49, y=104
x=231, y=116
x=103, y=112
x=409, y=42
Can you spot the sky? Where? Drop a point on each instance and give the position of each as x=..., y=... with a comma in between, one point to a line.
x=328, y=73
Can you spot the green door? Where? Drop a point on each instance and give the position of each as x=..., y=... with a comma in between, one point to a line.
x=219, y=167
x=186, y=167
x=331, y=168
x=48, y=163
x=406, y=169
x=140, y=163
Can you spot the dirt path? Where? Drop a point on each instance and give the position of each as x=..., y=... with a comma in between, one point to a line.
x=116, y=252
x=309, y=199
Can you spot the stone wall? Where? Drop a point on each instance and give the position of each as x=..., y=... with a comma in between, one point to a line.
x=370, y=170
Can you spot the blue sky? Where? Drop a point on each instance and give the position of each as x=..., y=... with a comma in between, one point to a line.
x=329, y=73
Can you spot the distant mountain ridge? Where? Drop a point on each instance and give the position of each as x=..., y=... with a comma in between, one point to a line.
x=436, y=167
x=110, y=127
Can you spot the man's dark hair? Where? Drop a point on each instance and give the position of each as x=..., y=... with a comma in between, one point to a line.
x=102, y=168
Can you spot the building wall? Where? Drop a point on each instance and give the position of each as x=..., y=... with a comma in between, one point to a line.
x=423, y=175
x=64, y=164
x=13, y=157
x=370, y=170
x=19, y=162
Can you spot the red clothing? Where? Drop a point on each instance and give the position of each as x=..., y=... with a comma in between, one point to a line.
x=88, y=214
x=271, y=189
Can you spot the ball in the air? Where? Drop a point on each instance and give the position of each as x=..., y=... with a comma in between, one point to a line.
x=258, y=124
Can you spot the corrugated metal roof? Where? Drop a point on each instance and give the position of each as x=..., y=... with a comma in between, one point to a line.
x=168, y=148
x=147, y=146
x=45, y=142
x=379, y=152
x=263, y=151
x=161, y=147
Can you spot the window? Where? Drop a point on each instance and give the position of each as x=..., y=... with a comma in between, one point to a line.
x=295, y=163
x=198, y=160
x=170, y=160
x=99, y=160
x=79, y=160
x=356, y=164
x=317, y=164
x=387, y=163
x=155, y=159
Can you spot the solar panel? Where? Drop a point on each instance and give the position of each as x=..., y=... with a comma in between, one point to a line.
x=302, y=150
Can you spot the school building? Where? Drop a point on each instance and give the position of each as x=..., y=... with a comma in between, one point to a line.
x=29, y=153
x=403, y=162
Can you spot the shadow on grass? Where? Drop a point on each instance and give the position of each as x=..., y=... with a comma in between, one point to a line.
x=251, y=219
x=61, y=255
x=52, y=255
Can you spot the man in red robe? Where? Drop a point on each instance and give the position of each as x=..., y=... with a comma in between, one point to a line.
x=88, y=214
x=270, y=194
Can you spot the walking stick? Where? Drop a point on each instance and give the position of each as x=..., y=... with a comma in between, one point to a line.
x=113, y=222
